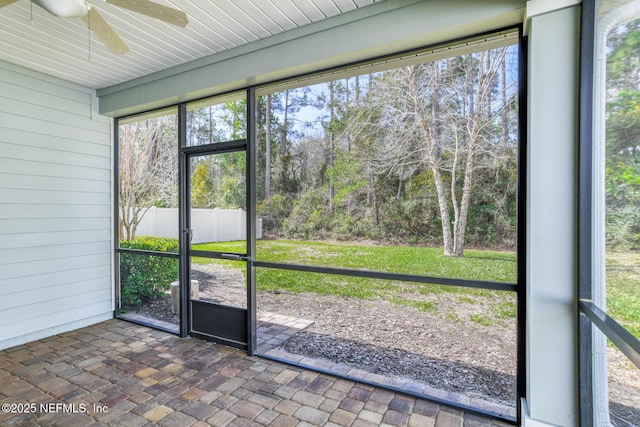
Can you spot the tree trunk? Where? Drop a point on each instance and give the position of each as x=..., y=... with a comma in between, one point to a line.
x=505, y=117
x=134, y=226
x=372, y=199
x=465, y=200
x=331, y=124
x=454, y=199
x=376, y=208
x=283, y=147
x=267, y=148
x=447, y=238
x=480, y=114
x=505, y=129
x=432, y=135
x=435, y=153
x=123, y=223
x=210, y=125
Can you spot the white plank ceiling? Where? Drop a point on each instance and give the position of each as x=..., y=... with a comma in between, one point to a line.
x=64, y=47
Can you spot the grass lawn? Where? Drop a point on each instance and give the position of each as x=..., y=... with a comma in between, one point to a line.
x=477, y=264
x=623, y=289
x=428, y=261
x=623, y=275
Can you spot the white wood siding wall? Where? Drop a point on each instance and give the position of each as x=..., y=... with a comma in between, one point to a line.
x=55, y=207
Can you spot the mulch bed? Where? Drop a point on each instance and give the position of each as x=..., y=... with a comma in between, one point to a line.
x=159, y=309
x=393, y=362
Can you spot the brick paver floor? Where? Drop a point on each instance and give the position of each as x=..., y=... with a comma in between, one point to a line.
x=121, y=374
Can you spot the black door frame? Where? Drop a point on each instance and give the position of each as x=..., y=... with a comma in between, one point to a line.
x=239, y=322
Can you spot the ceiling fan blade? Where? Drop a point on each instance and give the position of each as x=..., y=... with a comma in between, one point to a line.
x=154, y=10
x=4, y=3
x=105, y=32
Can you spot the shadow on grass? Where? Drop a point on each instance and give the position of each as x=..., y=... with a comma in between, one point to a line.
x=491, y=258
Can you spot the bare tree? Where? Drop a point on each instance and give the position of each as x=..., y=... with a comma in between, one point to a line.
x=148, y=155
x=267, y=148
x=444, y=117
x=330, y=136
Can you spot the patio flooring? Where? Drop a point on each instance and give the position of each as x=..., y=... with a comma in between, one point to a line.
x=121, y=374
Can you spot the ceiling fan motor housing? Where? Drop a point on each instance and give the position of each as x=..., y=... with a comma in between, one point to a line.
x=64, y=8
x=99, y=26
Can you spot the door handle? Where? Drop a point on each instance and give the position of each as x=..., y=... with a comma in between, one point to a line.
x=234, y=257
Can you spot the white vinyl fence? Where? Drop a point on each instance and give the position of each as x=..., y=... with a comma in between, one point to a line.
x=208, y=225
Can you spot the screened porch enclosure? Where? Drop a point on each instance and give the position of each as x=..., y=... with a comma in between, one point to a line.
x=435, y=202
x=339, y=258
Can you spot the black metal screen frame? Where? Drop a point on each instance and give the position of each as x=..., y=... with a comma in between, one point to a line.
x=521, y=293
x=116, y=234
x=585, y=207
x=228, y=315
x=519, y=287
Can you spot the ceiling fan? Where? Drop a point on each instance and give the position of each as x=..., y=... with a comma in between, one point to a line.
x=98, y=25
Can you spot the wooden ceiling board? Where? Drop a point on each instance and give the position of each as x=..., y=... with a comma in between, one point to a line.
x=65, y=48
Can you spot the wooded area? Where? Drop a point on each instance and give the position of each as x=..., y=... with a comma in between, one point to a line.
x=622, y=173
x=425, y=154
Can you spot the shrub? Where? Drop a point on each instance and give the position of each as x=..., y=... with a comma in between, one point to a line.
x=309, y=217
x=144, y=278
x=414, y=221
x=273, y=211
x=622, y=227
x=347, y=227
